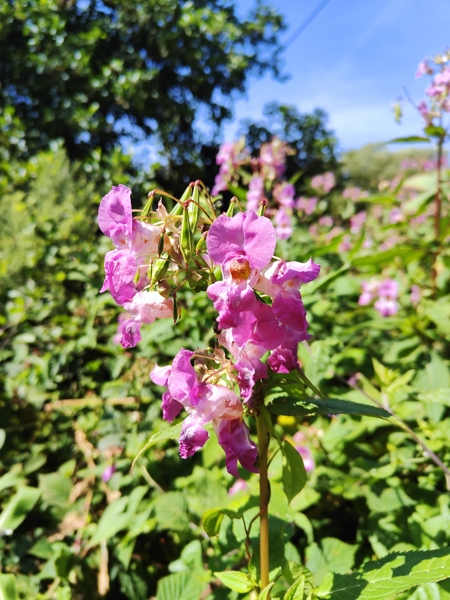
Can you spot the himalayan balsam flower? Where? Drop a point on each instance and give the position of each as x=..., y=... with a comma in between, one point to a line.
x=386, y=292
x=324, y=183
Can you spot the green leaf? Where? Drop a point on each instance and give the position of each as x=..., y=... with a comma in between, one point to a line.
x=435, y=131
x=180, y=586
x=411, y=139
x=2, y=437
x=407, y=253
x=236, y=581
x=334, y=555
x=294, y=474
x=213, y=517
x=388, y=577
x=8, y=589
x=297, y=590
x=285, y=404
x=170, y=433
x=266, y=592
x=17, y=508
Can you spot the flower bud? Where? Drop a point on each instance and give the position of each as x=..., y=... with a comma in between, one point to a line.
x=262, y=208
x=194, y=208
x=178, y=208
x=186, y=236
x=230, y=211
x=148, y=207
x=175, y=308
x=158, y=268
x=201, y=244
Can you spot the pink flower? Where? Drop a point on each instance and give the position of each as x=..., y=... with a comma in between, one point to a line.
x=234, y=438
x=307, y=205
x=423, y=68
x=242, y=244
x=354, y=193
x=324, y=183
x=386, y=307
x=170, y=407
x=396, y=216
x=304, y=451
x=108, y=473
x=144, y=307
x=272, y=158
x=283, y=221
x=255, y=192
x=207, y=403
x=115, y=218
x=388, y=288
x=415, y=294
x=357, y=221
x=284, y=194
x=240, y=485
x=326, y=221
x=370, y=290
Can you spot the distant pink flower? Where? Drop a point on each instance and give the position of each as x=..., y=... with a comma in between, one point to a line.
x=306, y=205
x=284, y=194
x=396, y=216
x=308, y=460
x=386, y=307
x=324, y=183
x=108, y=473
x=357, y=221
x=354, y=193
x=423, y=68
x=283, y=222
x=272, y=158
x=326, y=221
x=416, y=294
x=370, y=291
x=346, y=244
x=240, y=485
x=388, y=288
x=255, y=192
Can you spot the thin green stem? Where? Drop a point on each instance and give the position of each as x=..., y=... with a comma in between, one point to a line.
x=264, y=495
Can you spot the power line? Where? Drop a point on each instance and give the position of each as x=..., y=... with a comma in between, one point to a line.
x=309, y=19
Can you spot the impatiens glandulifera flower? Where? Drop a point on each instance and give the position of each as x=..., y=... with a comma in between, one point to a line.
x=387, y=293
x=205, y=403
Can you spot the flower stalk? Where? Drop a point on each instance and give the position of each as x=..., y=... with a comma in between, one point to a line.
x=264, y=497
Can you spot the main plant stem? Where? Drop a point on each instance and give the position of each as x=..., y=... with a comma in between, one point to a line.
x=437, y=214
x=264, y=495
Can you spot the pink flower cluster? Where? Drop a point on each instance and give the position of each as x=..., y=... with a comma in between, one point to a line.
x=250, y=328
x=324, y=183
x=126, y=267
x=438, y=91
x=386, y=292
x=272, y=158
x=354, y=193
x=205, y=403
x=243, y=246
x=229, y=157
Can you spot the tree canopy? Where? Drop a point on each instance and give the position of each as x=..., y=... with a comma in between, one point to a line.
x=91, y=71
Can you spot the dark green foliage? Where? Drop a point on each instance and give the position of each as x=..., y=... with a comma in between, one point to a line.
x=90, y=72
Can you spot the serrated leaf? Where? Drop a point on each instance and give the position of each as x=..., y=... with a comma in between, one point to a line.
x=236, y=581
x=265, y=594
x=17, y=508
x=180, y=586
x=296, y=591
x=213, y=518
x=8, y=589
x=317, y=406
x=294, y=474
x=388, y=577
x=170, y=433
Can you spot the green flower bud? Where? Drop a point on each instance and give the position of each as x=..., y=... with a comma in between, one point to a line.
x=158, y=268
x=186, y=237
x=262, y=208
x=230, y=211
x=194, y=208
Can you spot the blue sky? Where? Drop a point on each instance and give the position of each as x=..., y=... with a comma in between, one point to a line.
x=352, y=61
